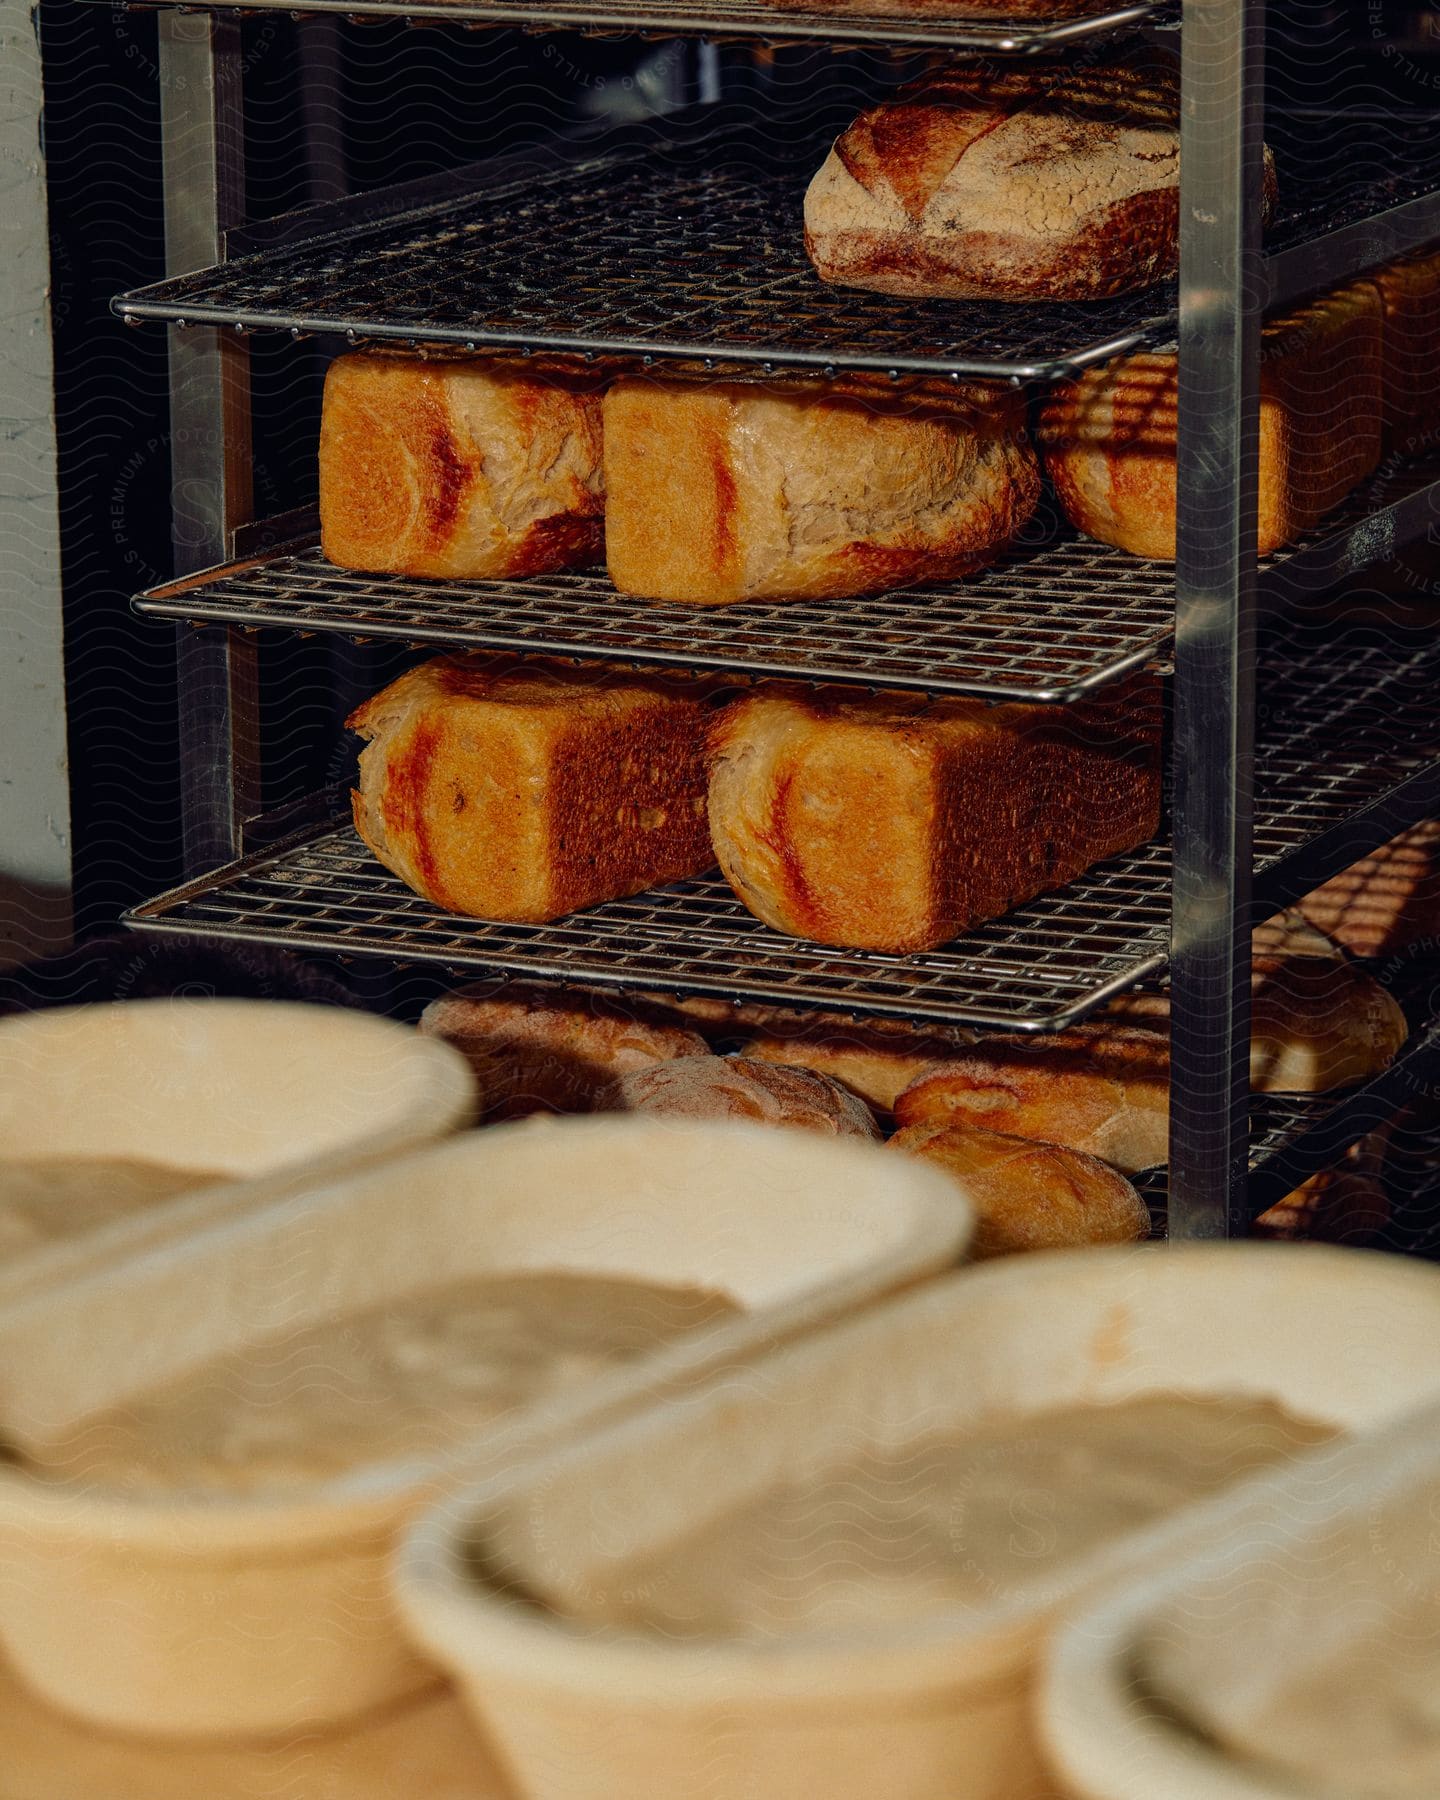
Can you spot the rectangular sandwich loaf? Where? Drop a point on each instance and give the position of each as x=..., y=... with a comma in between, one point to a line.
x=748, y=491
x=459, y=468
x=1109, y=439
x=895, y=822
x=526, y=792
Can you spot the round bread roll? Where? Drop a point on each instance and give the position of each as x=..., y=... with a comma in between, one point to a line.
x=542, y=1050
x=1030, y=1196
x=1101, y=1088
x=737, y=1087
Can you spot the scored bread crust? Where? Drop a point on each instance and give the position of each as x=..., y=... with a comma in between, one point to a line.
x=523, y=793
x=1028, y=1195
x=1020, y=182
x=1099, y=1088
x=459, y=468
x=745, y=490
x=733, y=1087
x=1108, y=439
x=535, y=1050
x=895, y=822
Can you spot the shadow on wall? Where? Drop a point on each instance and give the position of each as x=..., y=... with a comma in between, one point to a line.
x=34, y=919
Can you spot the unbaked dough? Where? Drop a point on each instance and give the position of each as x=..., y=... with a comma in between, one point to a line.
x=43, y=1199
x=408, y=1379
x=969, y=1522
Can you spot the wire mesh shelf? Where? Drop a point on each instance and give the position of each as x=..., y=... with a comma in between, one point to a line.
x=685, y=241
x=1342, y=736
x=990, y=31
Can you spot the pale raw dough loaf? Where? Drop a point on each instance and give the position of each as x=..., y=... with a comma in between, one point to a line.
x=1028, y=1195
x=547, y=1050
x=1109, y=439
x=1038, y=180
x=732, y=1087
x=459, y=468
x=1100, y=1088
x=753, y=491
x=895, y=822
x=525, y=792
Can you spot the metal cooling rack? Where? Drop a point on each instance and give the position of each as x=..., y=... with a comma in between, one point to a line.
x=1051, y=622
x=744, y=20
x=1041, y=967
x=685, y=241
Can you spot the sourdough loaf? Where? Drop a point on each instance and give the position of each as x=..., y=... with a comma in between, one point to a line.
x=894, y=822
x=458, y=468
x=874, y=1062
x=1410, y=308
x=1027, y=1195
x=525, y=792
x=1101, y=1088
x=1109, y=438
x=751, y=491
x=552, y=1050
x=733, y=1087
x=1037, y=180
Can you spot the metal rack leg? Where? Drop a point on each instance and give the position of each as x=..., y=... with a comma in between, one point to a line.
x=202, y=131
x=1221, y=277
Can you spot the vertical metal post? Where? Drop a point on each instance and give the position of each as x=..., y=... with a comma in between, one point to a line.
x=202, y=130
x=1221, y=289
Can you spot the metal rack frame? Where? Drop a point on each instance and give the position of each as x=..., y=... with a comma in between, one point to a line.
x=1225, y=280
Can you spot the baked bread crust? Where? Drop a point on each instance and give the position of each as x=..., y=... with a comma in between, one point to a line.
x=895, y=822
x=525, y=792
x=748, y=491
x=1386, y=902
x=1410, y=304
x=537, y=1050
x=1109, y=438
x=876, y=1065
x=1028, y=1195
x=1100, y=1088
x=1033, y=181
x=734, y=1087
x=458, y=468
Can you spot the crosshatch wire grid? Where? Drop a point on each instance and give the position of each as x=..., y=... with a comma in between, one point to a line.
x=694, y=248
x=1339, y=734
x=749, y=19
x=1047, y=624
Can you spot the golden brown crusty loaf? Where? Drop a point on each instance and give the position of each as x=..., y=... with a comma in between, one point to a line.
x=1102, y=1088
x=1388, y=900
x=875, y=1063
x=458, y=468
x=526, y=792
x=1038, y=180
x=733, y=1087
x=1027, y=1195
x=1317, y=1020
x=537, y=1049
x=1108, y=439
x=1410, y=310
x=894, y=822
x=750, y=491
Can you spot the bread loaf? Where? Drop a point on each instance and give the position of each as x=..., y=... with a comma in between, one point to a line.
x=1036, y=180
x=1100, y=1088
x=1030, y=1196
x=1317, y=1020
x=750, y=491
x=1388, y=901
x=895, y=822
x=527, y=792
x=732, y=1087
x=871, y=1061
x=1410, y=311
x=458, y=468
x=1109, y=439
x=552, y=1050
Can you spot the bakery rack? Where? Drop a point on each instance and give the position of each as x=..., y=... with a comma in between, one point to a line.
x=682, y=246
